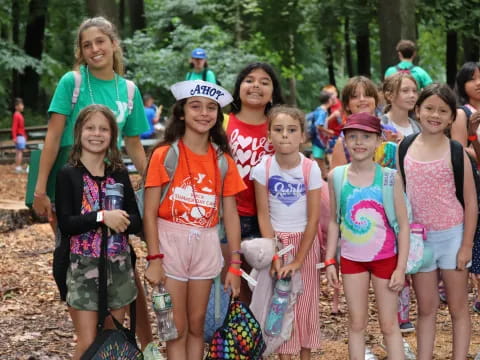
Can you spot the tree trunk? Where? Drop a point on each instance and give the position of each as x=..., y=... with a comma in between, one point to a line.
x=348, y=48
x=16, y=41
x=35, y=33
x=363, y=50
x=105, y=8
x=452, y=53
x=330, y=64
x=396, y=19
x=13, y=215
x=470, y=44
x=292, y=92
x=137, y=15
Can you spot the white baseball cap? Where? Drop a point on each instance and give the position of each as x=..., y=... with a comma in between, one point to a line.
x=189, y=88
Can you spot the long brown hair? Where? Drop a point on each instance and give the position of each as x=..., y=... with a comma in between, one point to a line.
x=107, y=28
x=113, y=157
x=392, y=85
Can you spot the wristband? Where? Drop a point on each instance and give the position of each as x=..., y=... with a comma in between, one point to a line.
x=239, y=252
x=156, y=256
x=473, y=137
x=234, y=271
x=328, y=262
x=39, y=195
x=236, y=262
x=275, y=257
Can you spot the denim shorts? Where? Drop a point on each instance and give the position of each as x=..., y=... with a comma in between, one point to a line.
x=20, y=143
x=445, y=245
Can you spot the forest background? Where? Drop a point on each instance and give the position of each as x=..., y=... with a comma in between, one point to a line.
x=310, y=43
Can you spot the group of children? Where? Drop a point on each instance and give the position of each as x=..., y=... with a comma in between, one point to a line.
x=220, y=174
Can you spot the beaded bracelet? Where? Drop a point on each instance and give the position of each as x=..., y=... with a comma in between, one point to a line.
x=239, y=252
x=472, y=137
x=234, y=271
x=156, y=256
x=236, y=262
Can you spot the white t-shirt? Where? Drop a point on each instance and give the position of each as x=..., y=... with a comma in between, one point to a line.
x=287, y=198
x=405, y=131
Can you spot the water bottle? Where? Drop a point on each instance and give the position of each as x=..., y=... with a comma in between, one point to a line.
x=162, y=306
x=114, y=201
x=278, y=306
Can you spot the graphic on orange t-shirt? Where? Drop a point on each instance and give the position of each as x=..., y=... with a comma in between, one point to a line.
x=192, y=198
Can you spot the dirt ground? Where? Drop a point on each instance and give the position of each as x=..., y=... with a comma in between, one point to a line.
x=34, y=324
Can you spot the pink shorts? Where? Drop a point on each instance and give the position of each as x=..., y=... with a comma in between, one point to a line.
x=191, y=253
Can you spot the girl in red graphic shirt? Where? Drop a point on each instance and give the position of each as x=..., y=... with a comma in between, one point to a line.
x=19, y=135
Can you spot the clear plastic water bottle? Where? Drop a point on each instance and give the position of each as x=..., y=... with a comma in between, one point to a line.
x=114, y=201
x=162, y=306
x=278, y=307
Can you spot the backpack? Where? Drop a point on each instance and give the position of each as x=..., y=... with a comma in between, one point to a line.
x=418, y=255
x=404, y=71
x=240, y=337
x=456, y=156
x=78, y=82
x=311, y=129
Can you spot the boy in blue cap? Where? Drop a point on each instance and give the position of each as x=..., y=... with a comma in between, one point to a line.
x=200, y=70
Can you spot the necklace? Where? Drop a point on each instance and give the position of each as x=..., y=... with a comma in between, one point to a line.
x=90, y=88
x=184, y=150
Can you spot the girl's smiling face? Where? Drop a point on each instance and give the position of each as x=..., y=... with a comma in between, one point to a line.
x=97, y=48
x=200, y=114
x=361, y=144
x=360, y=102
x=96, y=134
x=407, y=95
x=256, y=89
x=472, y=87
x=434, y=115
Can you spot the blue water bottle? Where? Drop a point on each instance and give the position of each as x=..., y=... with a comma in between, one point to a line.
x=278, y=307
x=114, y=201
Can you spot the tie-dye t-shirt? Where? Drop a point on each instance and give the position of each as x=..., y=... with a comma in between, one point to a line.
x=365, y=232
x=88, y=244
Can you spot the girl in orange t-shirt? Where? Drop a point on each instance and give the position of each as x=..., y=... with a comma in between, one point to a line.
x=181, y=232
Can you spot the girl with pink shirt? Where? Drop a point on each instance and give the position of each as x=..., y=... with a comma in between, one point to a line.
x=430, y=187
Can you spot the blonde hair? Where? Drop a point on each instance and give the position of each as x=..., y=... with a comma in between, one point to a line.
x=392, y=85
x=107, y=28
x=113, y=156
x=291, y=111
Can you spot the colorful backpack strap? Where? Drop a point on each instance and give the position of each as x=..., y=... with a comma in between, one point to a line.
x=130, y=95
x=76, y=90
x=339, y=177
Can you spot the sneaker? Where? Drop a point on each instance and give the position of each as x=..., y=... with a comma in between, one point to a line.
x=369, y=355
x=476, y=307
x=19, y=170
x=407, y=327
x=409, y=354
x=152, y=352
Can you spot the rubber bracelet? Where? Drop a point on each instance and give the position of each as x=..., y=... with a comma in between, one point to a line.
x=473, y=137
x=239, y=252
x=236, y=262
x=275, y=257
x=234, y=271
x=156, y=256
x=331, y=261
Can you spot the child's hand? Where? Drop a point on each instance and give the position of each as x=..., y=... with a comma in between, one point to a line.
x=155, y=274
x=288, y=269
x=473, y=123
x=332, y=276
x=463, y=257
x=275, y=267
x=232, y=281
x=117, y=220
x=397, y=281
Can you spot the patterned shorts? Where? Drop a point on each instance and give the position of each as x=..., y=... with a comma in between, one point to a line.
x=82, y=282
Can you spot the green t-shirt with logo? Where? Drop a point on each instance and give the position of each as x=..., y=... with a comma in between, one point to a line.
x=103, y=92
x=209, y=76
